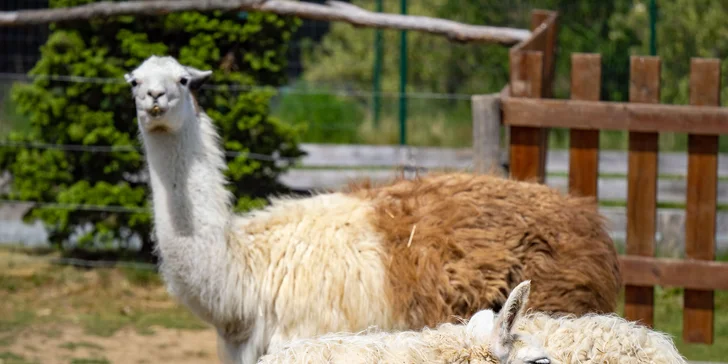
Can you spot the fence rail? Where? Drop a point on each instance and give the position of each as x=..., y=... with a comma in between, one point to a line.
x=528, y=118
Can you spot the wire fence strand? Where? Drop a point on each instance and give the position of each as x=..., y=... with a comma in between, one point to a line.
x=239, y=87
x=85, y=263
x=81, y=207
x=129, y=148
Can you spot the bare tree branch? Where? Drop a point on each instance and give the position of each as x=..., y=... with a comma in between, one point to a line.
x=333, y=11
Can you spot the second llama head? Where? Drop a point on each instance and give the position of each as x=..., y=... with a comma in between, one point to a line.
x=505, y=343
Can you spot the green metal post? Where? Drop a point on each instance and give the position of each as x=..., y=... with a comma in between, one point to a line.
x=653, y=27
x=403, y=80
x=377, y=72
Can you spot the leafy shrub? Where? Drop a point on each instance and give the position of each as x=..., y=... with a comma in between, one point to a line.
x=242, y=52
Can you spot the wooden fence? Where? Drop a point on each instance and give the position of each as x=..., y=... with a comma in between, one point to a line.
x=528, y=112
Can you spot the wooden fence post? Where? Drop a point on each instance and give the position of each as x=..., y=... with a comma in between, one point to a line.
x=586, y=77
x=531, y=75
x=644, y=87
x=486, y=133
x=701, y=200
x=527, y=143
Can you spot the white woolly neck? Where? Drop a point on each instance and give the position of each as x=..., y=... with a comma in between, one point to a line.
x=192, y=207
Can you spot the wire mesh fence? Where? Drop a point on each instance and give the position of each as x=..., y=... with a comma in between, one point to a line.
x=343, y=83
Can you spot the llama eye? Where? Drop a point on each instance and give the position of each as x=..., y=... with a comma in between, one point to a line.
x=540, y=361
x=183, y=81
x=133, y=83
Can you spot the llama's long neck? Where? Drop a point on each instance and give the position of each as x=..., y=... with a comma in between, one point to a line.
x=191, y=209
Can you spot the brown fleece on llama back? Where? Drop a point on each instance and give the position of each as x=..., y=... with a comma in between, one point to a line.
x=477, y=236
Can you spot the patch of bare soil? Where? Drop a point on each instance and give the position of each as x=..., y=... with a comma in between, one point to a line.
x=70, y=344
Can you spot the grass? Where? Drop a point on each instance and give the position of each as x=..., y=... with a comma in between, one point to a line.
x=102, y=301
x=81, y=344
x=668, y=318
x=90, y=361
x=11, y=358
x=339, y=118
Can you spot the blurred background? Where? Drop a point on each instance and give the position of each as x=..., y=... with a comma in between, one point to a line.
x=301, y=105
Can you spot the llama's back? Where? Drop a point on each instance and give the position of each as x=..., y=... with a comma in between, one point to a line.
x=599, y=339
x=458, y=243
x=446, y=344
x=420, y=253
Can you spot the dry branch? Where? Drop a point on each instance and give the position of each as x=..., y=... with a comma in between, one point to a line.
x=333, y=11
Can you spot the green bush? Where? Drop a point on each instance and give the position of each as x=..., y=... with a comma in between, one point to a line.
x=244, y=50
x=329, y=117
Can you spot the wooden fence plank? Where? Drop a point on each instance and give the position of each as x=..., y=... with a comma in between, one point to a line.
x=360, y=155
x=550, y=19
x=548, y=46
x=486, y=134
x=701, y=201
x=604, y=115
x=527, y=144
x=644, y=87
x=586, y=76
x=531, y=75
x=670, y=191
x=696, y=274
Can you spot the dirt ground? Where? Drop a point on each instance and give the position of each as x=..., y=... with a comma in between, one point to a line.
x=60, y=314
x=70, y=344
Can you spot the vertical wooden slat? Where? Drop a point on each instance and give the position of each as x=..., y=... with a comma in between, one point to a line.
x=531, y=75
x=548, y=47
x=644, y=87
x=701, y=200
x=486, y=133
x=526, y=142
x=586, y=77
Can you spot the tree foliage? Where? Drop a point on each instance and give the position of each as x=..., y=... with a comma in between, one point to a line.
x=437, y=65
x=243, y=52
x=685, y=29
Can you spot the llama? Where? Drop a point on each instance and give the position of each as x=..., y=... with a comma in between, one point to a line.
x=510, y=337
x=401, y=256
x=590, y=338
x=484, y=340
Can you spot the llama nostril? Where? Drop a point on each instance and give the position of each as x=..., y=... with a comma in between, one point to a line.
x=155, y=94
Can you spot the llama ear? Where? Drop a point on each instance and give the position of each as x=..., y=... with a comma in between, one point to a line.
x=503, y=335
x=197, y=77
x=129, y=78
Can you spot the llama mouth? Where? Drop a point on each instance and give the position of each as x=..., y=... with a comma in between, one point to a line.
x=156, y=111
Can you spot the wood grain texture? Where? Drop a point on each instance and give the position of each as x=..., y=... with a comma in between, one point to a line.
x=547, y=44
x=602, y=115
x=531, y=75
x=549, y=19
x=644, y=87
x=331, y=11
x=486, y=133
x=694, y=274
x=700, y=211
x=527, y=143
x=586, y=76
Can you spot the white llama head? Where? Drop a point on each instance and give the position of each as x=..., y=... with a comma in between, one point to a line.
x=162, y=87
x=508, y=346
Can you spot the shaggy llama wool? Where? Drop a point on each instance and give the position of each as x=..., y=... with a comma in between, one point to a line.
x=509, y=337
x=344, y=261
x=590, y=338
x=483, y=340
x=599, y=339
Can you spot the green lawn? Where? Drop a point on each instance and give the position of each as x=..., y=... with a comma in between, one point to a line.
x=668, y=318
